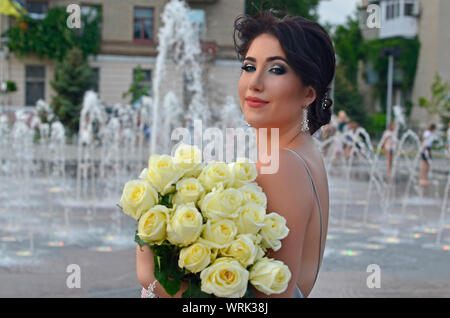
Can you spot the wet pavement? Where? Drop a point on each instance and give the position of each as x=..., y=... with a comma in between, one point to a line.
x=42, y=235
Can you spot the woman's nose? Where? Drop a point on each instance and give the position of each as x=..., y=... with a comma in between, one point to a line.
x=256, y=82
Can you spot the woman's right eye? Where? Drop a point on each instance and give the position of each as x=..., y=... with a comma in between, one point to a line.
x=248, y=67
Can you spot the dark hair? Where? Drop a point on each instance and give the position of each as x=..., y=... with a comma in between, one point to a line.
x=308, y=48
x=432, y=127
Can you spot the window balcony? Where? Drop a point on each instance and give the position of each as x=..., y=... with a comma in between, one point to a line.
x=399, y=18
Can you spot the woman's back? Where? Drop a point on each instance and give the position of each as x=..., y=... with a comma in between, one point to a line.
x=309, y=259
x=310, y=255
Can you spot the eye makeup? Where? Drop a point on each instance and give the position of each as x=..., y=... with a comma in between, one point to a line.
x=276, y=69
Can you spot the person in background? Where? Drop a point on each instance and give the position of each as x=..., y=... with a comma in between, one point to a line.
x=342, y=121
x=351, y=127
x=389, y=146
x=427, y=141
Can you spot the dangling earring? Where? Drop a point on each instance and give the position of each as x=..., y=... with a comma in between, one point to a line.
x=305, y=120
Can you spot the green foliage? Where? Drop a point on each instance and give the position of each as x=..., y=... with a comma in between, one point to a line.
x=376, y=124
x=249, y=293
x=347, y=41
x=10, y=87
x=137, y=90
x=439, y=104
x=347, y=97
x=51, y=38
x=350, y=47
x=72, y=80
x=194, y=289
x=166, y=271
x=406, y=64
x=304, y=8
x=166, y=200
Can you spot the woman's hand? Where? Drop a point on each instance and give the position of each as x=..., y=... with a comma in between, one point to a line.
x=145, y=268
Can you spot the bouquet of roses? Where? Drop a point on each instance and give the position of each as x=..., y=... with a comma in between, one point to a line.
x=207, y=225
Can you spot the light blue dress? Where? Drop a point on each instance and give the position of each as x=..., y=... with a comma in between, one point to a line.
x=297, y=291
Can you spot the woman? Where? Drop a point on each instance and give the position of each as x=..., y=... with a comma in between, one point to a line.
x=287, y=67
x=427, y=141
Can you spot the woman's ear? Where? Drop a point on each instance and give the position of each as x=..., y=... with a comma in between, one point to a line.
x=310, y=95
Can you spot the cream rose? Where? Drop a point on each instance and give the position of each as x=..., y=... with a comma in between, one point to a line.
x=218, y=234
x=253, y=193
x=274, y=230
x=221, y=203
x=138, y=196
x=185, y=225
x=251, y=218
x=215, y=174
x=189, y=159
x=195, y=258
x=162, y=173
x=270, y=276
x=152, y=224
x=243, y=172
x=188, y=190
x=225, y=278
x=243, y=249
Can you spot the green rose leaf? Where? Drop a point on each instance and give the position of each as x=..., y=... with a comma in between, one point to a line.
x=249, y=293
x=194, y=289
x=167, y=272
x=166, y=200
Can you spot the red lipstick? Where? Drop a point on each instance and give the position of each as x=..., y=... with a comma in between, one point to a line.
x=255, y=102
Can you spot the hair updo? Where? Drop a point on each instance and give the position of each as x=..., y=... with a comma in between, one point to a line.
x=309, y=51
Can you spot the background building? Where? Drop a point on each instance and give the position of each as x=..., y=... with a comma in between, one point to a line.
x=428, y=20
x=128, y=39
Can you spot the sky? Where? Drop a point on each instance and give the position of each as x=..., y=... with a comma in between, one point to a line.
x=336, y=11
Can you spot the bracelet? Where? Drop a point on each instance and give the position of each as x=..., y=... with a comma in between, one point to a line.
x=150, y=289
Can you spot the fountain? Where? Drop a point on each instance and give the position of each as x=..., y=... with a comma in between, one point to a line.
x=55, y=194
x=178, y=37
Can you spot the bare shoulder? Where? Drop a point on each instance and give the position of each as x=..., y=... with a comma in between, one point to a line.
x=289, y=187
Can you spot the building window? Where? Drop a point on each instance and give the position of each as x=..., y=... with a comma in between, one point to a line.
x=95, y=79
x=90, y=13
x=34, y=84
x=146, y=81
x=409, y=9
x=37, y=9
x=388, y=12
x=392, y=9
x=143, y=24
x=396, y=9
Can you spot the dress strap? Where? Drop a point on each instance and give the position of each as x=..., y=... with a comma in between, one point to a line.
x=313, y=185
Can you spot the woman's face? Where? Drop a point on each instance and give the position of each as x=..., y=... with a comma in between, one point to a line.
x=270, y=92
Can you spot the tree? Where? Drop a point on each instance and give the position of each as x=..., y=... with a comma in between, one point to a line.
x=439, y=103
x=51, y=38
x=347, y=98
x=347, y=41
x=72, y=79
x=304, y=8
x=137, y=89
